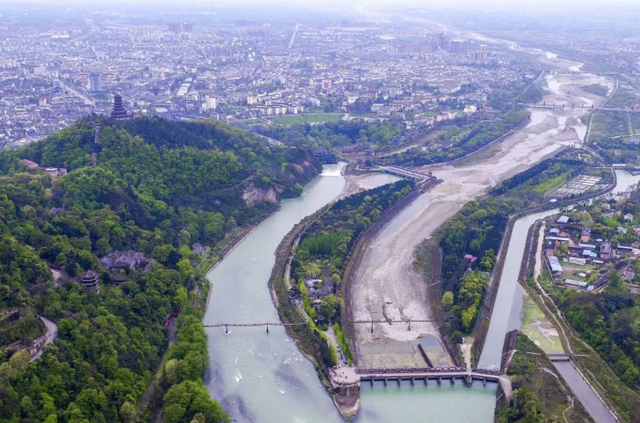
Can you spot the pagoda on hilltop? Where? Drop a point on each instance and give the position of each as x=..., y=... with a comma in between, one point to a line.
x=119, y=112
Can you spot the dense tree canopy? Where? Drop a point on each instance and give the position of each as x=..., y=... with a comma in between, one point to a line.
x=159, y=187
x=461, y=140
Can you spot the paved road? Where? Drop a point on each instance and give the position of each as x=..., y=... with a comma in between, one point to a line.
x=57, y=278
x=585, y=393
x=86, y=100
x=49, y=337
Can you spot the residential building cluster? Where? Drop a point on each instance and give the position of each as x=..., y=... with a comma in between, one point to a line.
x=241, y=72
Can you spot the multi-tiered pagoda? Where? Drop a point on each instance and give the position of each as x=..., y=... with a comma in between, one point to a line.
x=119, y=112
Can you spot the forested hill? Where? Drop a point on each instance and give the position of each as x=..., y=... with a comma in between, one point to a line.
x=174, y=175
x=159, y=187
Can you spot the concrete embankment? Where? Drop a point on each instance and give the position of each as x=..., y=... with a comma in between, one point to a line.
x=357, y=254
x=346, y=398
x=484, y=321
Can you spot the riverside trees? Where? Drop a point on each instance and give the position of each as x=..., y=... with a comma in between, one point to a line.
x=462, y=140
x=159, y=187
x=325, y=248
x=470, y=240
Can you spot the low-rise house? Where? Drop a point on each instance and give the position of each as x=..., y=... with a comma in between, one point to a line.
x=605, y=251
x=585, y=234
x=573, y=282
x=625, y=250
x=121, y=260
x=578, y=261
x=587, y=246
x=554, y=264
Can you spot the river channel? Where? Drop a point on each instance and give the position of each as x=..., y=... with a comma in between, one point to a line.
x=260, y=377
x=508, y=310
x=264, y=378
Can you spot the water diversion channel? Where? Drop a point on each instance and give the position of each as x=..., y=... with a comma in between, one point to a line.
x=264, y=378
x=508, y=310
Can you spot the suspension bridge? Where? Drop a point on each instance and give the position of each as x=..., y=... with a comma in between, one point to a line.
x=267, y=324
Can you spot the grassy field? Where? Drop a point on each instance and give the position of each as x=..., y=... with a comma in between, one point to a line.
x=550, y=184
x=538, y=328
x=532, y=373
x=310, y=118
x=623, y=97
x=250, y=121
x=607, y=125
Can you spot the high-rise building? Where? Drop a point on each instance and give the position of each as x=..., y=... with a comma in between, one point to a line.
x=118, y=112
x=441, y=41
x=175, y=27
x=187, y=27
x=483, y=52
x=456, y=46
x=94, y=83
x=326, y=84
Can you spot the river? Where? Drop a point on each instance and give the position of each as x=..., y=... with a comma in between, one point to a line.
x=264, y=378
x=508, y=312
x=260, y=377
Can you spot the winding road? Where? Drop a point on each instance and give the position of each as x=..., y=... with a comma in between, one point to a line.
x=50, y=336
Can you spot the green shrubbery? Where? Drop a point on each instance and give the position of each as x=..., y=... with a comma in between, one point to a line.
x=159, y=187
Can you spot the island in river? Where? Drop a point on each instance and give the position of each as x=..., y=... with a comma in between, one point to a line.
x=243, y=377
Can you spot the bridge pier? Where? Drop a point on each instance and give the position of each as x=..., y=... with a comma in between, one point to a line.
x=385, y=381
x=413, y=381
x=484, y=381
x=226, y=329
x=426, y=380
x=469, y=380
x=409, y=329
x=371, y=383
x=439, y=381
x=267, y=329
x=399, y=381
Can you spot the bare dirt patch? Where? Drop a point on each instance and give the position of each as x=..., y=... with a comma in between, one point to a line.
x=386, y=284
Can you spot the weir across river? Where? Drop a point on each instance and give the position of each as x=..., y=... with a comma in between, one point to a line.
x=437, y=374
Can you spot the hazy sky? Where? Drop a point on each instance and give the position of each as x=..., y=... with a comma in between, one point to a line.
x=594, y=9
x=476, y=4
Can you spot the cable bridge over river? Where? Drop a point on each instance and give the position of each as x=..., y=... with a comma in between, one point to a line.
x=399, y=374
x=267, y=324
